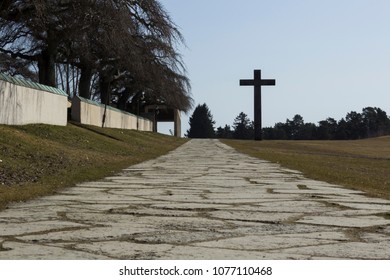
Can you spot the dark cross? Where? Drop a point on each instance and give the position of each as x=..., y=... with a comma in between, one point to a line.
x=257, y=82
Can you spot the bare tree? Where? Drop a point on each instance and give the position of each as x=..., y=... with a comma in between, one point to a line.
x=128, y=45
x=33, y=30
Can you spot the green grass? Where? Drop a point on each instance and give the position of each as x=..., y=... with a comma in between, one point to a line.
x=38, y=160
x=360, y=164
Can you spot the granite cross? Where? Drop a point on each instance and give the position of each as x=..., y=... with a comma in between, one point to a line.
x=257, y=82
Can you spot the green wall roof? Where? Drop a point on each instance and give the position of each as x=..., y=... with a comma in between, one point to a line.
x=29, y=84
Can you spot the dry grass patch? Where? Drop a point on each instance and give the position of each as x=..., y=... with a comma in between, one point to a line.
x=360, y=164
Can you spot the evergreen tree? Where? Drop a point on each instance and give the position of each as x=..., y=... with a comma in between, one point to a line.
x=376, y=122
x=201, y=123
x=372, y=122
x=224, y=132
x=327, y=129
x=295, y=126
x=355, y=128
x=243, y=127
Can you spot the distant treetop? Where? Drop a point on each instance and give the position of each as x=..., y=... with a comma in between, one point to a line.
x=372, y=122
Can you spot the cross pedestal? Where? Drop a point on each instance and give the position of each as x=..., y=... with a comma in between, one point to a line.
x=257, y=83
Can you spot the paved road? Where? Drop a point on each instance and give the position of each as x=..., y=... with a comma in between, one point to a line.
x=201, y=201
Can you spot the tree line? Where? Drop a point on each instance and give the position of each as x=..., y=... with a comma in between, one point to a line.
x=371, y=122
x=113, y=51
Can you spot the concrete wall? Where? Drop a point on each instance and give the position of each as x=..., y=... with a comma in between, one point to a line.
x=177, y=123
x=89, y=112
x=165, y=114
x=21, y=103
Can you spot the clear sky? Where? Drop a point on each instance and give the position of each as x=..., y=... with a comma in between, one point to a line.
x=328, y=57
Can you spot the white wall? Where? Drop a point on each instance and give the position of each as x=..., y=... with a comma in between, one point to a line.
x=89, y=112
x=21, y=105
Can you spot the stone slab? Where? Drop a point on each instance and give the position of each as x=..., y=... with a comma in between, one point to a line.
x=360, y=221
x=347, y=250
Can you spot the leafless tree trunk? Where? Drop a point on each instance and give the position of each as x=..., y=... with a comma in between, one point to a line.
x=85, y=81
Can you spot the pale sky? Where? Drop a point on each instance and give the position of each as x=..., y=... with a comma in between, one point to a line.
x=328, y=57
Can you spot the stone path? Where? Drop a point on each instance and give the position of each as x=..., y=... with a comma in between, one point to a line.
x=201, y=201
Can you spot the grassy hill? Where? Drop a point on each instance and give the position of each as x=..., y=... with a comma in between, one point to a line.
x=359, y=164
x=38, y=160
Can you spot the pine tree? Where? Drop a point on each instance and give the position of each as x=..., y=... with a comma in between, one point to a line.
x=201, y=123
x=243, y=127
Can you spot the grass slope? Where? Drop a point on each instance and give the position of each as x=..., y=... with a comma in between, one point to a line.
x=38, y=160
x=359, y=164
